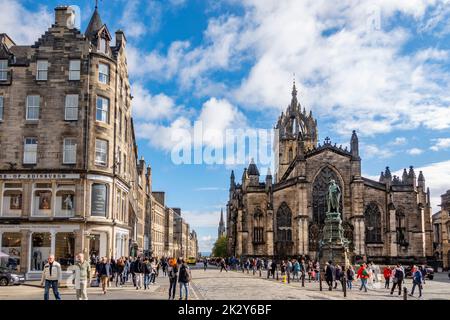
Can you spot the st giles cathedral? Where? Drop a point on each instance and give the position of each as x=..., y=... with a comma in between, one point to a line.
x=385, y=221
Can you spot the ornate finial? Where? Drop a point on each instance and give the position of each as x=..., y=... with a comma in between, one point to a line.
x=294, y=89
x=96, y=4
x=327, y=140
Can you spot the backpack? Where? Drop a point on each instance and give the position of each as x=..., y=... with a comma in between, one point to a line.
x=184, y=274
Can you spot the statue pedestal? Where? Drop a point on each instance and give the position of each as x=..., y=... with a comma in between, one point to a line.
x=333, y=245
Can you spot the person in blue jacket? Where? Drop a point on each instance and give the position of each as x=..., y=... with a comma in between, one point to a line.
x=417, y=281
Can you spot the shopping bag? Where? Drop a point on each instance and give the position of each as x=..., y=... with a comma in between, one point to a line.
x=94, y=283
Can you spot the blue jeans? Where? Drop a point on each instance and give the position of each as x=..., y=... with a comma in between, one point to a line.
x=186, y=289
x=146, y=280
x=350, y=284
x=414, y=287
x=363, y=284
x=54, y=285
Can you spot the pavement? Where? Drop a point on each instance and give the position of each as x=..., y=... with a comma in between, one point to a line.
x=235, y=285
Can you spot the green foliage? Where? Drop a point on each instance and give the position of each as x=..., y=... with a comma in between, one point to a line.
x=220, y=247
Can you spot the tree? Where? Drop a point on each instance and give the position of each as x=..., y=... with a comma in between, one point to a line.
x=220, y=247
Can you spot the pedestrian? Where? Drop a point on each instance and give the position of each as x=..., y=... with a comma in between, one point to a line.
x=387, y=273
x=120, y=271
x=397, y=278
x=363, y=274
x=104, y=272
x=329, y=274
x=338, y=276
x=417, y=281
x=184, y=278
x=139, y=273
x=132, y=268
x=350, y=277
x=274, y=268
x=147, y=272
x=172, y=273
x=164, y=267
x=317, y=270
x=82, y=276
x=51, y=276
x=205, y=264
x=296, y=270
x=223, y=265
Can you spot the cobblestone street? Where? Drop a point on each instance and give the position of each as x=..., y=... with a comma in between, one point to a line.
x=232, y=285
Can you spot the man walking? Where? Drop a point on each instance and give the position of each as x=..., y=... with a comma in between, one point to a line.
x=329, y=274
x=51, y=276
x=82, y=276
x=398, y=276
x=104, y=272
x=139, y=271
x=363, y=274
x=184, y=278
x=417, y=281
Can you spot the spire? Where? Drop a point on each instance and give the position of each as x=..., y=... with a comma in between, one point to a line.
x=421, y=180
x=405, y=176
x=94, y=24
x=232, y=183
x=387, y=174
x=221, y=229
x=221, y=216
x=354, y=145
x=253, y=169
x=294, y=101
x=269, y=173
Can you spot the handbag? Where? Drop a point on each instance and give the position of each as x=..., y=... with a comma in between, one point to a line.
x=94, y=283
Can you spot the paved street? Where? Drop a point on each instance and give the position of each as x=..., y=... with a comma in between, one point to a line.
x=214, y=285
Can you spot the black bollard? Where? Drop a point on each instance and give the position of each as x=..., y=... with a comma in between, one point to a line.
x=289, y=277
x=260, y=273
x=277, y=275
x=320, y=281
x=268, y=273
x=405, y=293
x=303, y=279
x=344, y=286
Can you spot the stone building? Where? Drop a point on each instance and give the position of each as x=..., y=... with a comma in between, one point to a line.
x=385, y=221
x=193, y=250
x=441, y=228
x=158, y=224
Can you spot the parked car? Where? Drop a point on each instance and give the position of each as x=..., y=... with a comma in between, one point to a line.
x=429, y=274
x=10, y=277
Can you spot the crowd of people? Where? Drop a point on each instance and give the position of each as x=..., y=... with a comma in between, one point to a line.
x=368, y=275
x=140, y=272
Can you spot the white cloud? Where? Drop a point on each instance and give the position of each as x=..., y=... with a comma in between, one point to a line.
x=441, y=144
x=138, y=19
x=23, y=26
x=152, y=107
x=372, y=151
x=206, y=243
x=202, y=219
x=398, y=141
x=360, y=76
x=415, y=151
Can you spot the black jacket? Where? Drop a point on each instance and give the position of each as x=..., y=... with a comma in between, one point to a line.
x=329, y=273
x=183, y=274
x=138, y=266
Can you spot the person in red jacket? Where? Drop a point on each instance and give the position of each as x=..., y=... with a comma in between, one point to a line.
x=387, y=273
x=363, y=274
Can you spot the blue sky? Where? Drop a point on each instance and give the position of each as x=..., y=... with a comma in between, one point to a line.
x=378, y=67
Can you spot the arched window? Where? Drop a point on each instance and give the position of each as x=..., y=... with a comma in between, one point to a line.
x=319, y=194
x=401, y=226
x=258, y=227
x=372, y=220
x=284, y=223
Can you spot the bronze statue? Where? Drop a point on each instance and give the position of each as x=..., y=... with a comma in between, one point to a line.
x=333, y=197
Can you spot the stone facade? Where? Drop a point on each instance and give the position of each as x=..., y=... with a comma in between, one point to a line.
x=441, y=228
x=385, y=221
x=70, y=178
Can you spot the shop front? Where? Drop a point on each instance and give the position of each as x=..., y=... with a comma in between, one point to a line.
x=28, y=246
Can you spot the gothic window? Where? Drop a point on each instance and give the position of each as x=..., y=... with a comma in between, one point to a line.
x=401, y=226
x=258, y=227
x=284, y=223
x=372, y=220
x=319, y=194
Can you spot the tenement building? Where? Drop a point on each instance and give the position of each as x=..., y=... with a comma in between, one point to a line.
x=441, y=228
x=385, y=221
x=70, y=179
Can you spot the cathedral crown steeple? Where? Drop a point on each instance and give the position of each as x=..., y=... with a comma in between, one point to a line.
x=221, y=230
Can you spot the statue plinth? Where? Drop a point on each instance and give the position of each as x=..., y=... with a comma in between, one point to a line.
x=334, y=246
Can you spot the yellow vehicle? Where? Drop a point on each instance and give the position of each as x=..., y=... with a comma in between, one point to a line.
x=191, y=260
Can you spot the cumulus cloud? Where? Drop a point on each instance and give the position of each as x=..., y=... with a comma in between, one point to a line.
x=373, y=151
x=440, y=144
x=415, y=151
x=152, y=107
x=398, y=141
x=202, y=219
x=24, y=26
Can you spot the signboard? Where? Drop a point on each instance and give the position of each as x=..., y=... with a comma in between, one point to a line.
x=98, y=200
x=38, y=176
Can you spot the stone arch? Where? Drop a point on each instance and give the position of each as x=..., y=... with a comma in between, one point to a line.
x=319, y=189
x=283, y=223
x=372, y=222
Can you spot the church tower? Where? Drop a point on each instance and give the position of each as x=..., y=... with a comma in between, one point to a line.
x=297, y=134
x=221, y=230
